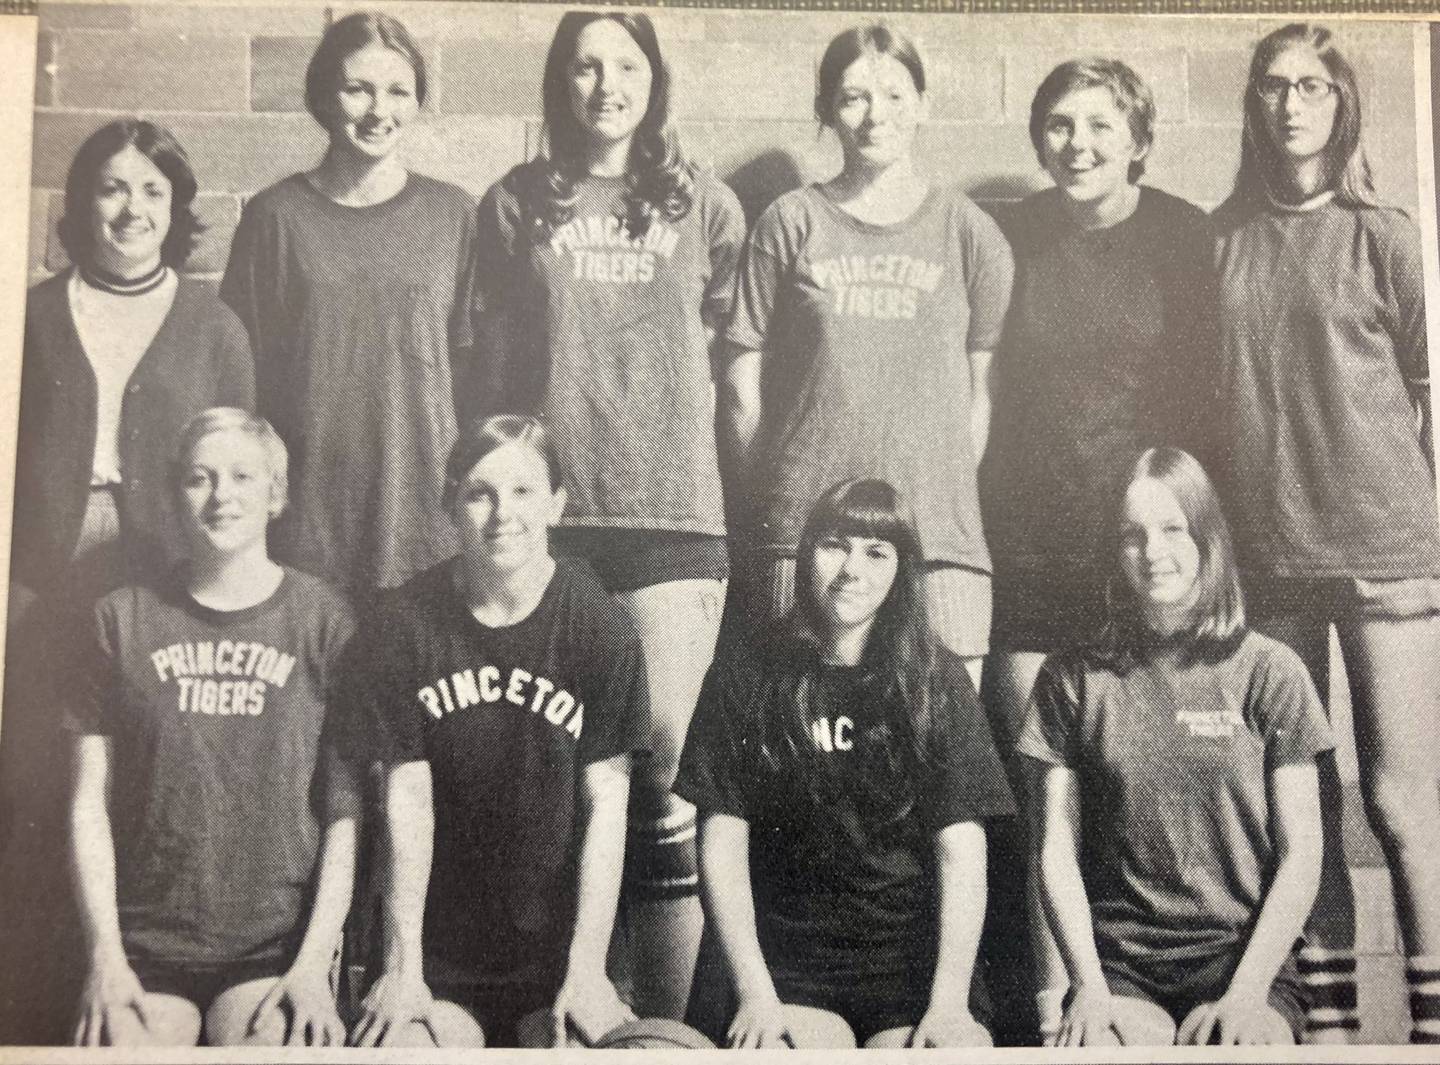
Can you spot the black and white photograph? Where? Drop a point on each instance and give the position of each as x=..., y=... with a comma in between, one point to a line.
x=540, y=525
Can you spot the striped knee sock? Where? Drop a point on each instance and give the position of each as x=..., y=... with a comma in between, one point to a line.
x=660, y=860
x=1422, y=974
x=1328, y=976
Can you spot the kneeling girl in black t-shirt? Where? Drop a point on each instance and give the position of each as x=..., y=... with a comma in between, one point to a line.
x=843, y=770
x=503, y=691
x=213, y=829
x=1179, y=847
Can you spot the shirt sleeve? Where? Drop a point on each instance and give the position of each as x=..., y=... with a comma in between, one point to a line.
x=710, y=765
x=725, y=235
x=989, y=276
x=1287, y=710
x=616, y=718
x=968, y=782
x=762, y=269
x=86, y=711
x=461, y=324
x=1403, y=290
x=1052, y=717
x=375, y=715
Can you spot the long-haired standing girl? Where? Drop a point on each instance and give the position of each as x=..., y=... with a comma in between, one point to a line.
x=606, y=267
x=844, y=771
x=872, y=301
x=1330, y=476
x=1179, y=843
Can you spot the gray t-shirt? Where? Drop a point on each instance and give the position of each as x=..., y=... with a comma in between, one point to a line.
x=866, y=332
x=1173, y=760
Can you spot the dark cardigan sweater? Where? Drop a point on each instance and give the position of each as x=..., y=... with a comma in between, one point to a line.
x=200, y=358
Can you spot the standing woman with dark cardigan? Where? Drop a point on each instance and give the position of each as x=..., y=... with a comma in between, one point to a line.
x=120, y=351
x=352, y=279
x=1330, y=475
x=606, y=270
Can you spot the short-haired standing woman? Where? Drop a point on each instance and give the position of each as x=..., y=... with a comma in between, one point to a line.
x=866, y=311
x=1109, y=323
x=353, y=279
x=1179, y=843
x=607, y=266
x=1330, y=474
x=120, y=350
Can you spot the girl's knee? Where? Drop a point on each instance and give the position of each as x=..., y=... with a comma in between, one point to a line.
x=1142, y=1024
x=228, y=1020
x=1400, y=818
x=171, y=1021
x=817, y=1029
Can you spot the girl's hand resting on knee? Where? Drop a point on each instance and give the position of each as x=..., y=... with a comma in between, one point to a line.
x=307, y=1009
x=397, y=999
x=1089, y=1019
x=110, y=988
x=1231, y=1020
x=760, y=1024
x=589, y=1003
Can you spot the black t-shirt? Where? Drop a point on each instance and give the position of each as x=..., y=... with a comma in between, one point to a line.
x=216, y=719
x=508, y=718
x=843, y=874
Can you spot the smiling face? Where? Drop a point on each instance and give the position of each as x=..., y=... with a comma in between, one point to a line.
x=228, y=494
x=850, y=580
x=375, y=99
x=1158, y=555
x=130, y=214
x=876, y=111
x=504, y=508
x=1087, y=147
x=1299, y=128
x=609, y=82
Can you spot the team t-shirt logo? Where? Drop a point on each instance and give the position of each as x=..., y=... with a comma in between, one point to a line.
x=601, y=249
x=222, y=678
x=1213, y=724
x=877, y=286
x=487, y=686
x=830, y=737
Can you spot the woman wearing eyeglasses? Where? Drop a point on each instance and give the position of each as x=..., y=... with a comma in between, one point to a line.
x=1330, y=474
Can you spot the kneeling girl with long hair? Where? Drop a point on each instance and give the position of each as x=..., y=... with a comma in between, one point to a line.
x=843, y=770
x=1179, y=819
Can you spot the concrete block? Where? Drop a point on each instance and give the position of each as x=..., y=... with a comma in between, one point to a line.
x=269, y=17
x=277, y=72
x=471, y=151
x=993, y=162
x=1217, y=85
x=59, y=15
x=491, y=76
x=245, y=153
x=57, y=135
x=1162, y=68
x=1172, y=163
x=424, y=18
x=761, y=160
x=965, y=85
x=133, y=72
x=45, y=68
x=38, y=242
x=732, y=81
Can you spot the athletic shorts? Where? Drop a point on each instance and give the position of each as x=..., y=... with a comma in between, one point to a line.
x=1178, y=987
x=958, y=597
x=498, y=1008
x=877, y=1004
x=627, y=559
x=1040, y=614
x=202, y=984
x=1342, y=598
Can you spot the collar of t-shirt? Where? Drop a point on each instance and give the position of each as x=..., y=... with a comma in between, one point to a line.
x=115, y=331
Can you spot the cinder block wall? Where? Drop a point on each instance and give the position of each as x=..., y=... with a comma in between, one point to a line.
x=227, y=80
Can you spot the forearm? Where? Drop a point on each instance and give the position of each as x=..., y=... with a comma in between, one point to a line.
x=334, y=881
x=1067, y=907
x=602, y=859
x=92, y=850
x=410, y=822
x=980, y=403
x=738, y=415
x=962, y=878
x=1282, y=918
x=730, y=904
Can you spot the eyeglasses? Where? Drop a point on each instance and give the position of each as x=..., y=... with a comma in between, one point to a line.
x=1310, y=90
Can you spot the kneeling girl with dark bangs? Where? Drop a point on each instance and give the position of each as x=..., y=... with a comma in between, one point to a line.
x=1179, y=815
x=844, y=770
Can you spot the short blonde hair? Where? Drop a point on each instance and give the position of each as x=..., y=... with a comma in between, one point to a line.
x=227, y=419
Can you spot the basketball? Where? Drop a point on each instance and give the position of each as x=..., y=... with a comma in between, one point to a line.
x=653, y=1032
